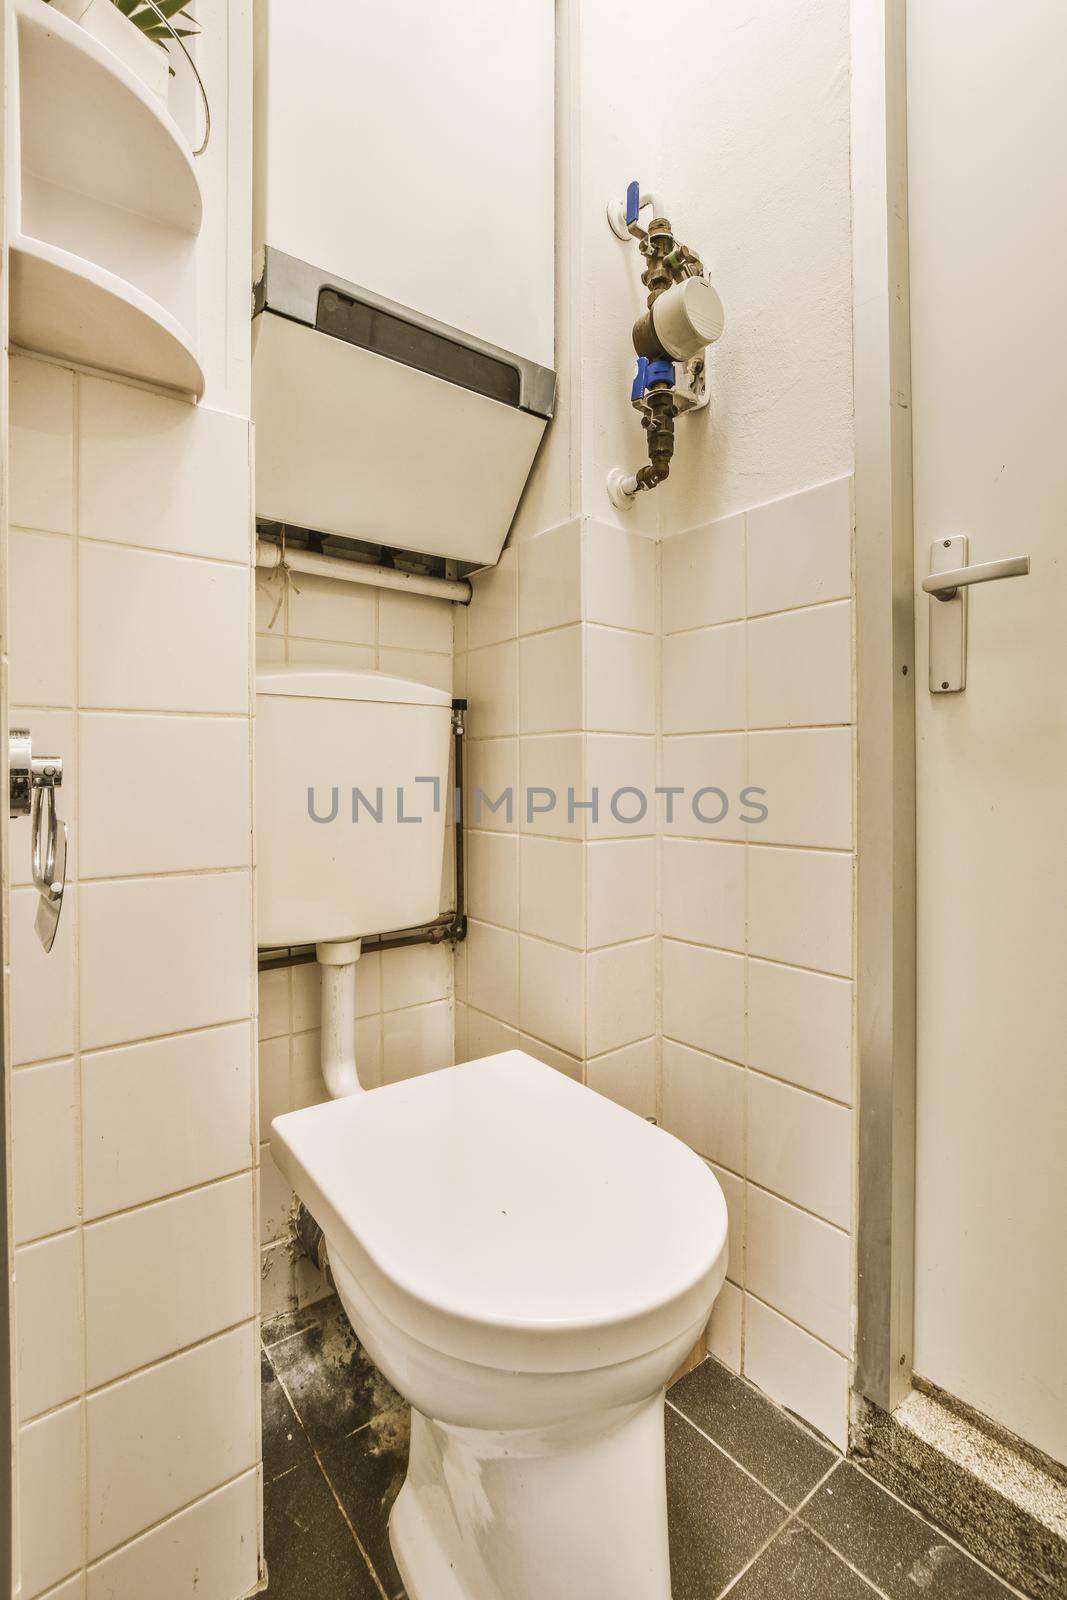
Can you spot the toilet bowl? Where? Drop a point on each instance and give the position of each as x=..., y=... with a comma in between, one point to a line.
x=528, y=1263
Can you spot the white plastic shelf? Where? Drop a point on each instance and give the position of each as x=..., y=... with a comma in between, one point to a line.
x=68, y=307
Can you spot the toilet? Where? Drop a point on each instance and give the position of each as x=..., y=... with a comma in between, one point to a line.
x=526, y=1262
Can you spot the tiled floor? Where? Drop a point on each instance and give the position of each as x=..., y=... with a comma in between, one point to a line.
x=759, y=1508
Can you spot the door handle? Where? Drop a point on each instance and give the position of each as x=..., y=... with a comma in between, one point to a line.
x=943, y=585
x=32, y=782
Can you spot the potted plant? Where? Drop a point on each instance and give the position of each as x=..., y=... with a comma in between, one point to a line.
x=136, y=32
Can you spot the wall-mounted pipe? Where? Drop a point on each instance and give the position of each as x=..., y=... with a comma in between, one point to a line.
x=269, y=557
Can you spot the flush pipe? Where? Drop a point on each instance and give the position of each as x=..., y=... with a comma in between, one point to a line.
x=337, y=965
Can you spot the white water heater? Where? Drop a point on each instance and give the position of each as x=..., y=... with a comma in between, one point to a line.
x=404, y=264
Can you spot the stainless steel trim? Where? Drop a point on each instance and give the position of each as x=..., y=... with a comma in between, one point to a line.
x=291, y=288
x=943, y=585
x=885, y=598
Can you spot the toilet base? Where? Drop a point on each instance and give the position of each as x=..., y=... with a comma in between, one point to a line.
x=578, y=1509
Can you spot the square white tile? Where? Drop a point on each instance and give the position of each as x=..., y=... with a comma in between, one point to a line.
x=167, y=1115
x=41, y=631
x=493, y=971
x=619, y=579
x=417, y=1039
x=415, y=622
x=800, y=908
x=799, y=1265
x=150, y=795
x=704, y=1103
x=41, y=445
x=210, y=1548
x=733, y=1192
x=703, y=575
x=704, y=999
x=620, y=890
x=620, y=773
x=800, y=1028
x=159, y=955
x=51, y=1498
x=493, y=614
x=724, y=1329
x=552, y=889
x=800, y=668
x=415, y=976
x=493, y=877
x=704, y=680
x=44, y=1149
x=807, y=778
x=800, y=549
x=627, y=1076
x=491, y=784
x=550, y=681
x=620, y=988
x=708, y=774
x=332, y=612
x=800, y=1147
x=550, y=579
x=48, y=1285
x=620, y=681
x=552, y=994
x=493, y=691
x=553, y=786
x=704, y=892
x=273, y=1003
x=803, y=1375
x=161, y=632
x=162, y=474
x=42, y=983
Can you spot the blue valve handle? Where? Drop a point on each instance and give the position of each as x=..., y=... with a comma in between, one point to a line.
x=640, y=382
x=633, y=203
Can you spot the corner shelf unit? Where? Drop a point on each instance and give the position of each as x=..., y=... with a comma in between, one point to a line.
x=106, y=208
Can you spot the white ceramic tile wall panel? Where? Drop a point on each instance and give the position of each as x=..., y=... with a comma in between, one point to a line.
x=274, y=1003
x=486, y=1035
x=52, y=732
x=493, y=691
x=800, y=908
x=627, y=1076
x=620, y=892
x=51, y=1498
x=160, y=955
x=550, y=681
x=493, y=614
x=493, y=970
x=704, y=999
x=620, y=681
x=808, y=779
x=460, y=1031
x=703, y=575
x=421, y=666
x=704, y=761
x=44, y=1149
x=417, y=1039
x=48, y=1283
x=414, y=622
x=620, y=995
x=73, y=1589
x=733, y=1192
x=41, y=448
x=800, y=1028
x=552, y=889
x=209, y=1549
x=800, y=1266
x=800, y=549
x=800, y=668
x=551, y=768
x=800, y=1147
x=619, y=578
x=163, y=794
x=493, y=877
x=558, y=1060
x=342, y=613
x=165, y=1115
x=273, y=1078
x=802, y=1374
x=161, y=632
x=492, y=771
x=324, y=652
x=166, y=1276
x=552, y=994
x=704, y=680
x=703, y=1103
x=270, y=650
x=415, y=976
x=276, y=1200
x=550, y=579
x=40, y=626
x=704, y=892
x=160, y=1439
x=622, y=770
x=42, y=984
x=306, y=1084
x=724, y=1329
x=162, y=474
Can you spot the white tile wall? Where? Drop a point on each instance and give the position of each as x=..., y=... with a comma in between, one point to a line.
x=200, y=1551
x=135, y=522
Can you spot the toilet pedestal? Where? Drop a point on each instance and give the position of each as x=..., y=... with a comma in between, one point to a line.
x=577, y=1509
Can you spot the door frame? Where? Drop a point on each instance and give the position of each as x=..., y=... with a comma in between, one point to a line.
x=885, y=1036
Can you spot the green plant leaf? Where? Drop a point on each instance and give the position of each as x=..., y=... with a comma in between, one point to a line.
x=161, y=34
x=127, y=6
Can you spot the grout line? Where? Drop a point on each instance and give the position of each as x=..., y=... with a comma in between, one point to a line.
x=732, y=1459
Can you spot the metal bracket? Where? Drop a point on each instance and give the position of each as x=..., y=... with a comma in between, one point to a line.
x=948, y=621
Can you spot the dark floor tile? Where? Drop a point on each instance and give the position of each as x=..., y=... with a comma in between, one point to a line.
x=284, y=1443
x=286, y=1322
x=311, y=1555
x=332, y=1383
x=718, y=1517
x=795, y=1566
x=367, y=1471
x=749, y=1427
x=900, y=1553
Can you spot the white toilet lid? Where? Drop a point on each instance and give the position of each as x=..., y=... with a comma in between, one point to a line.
x=504, y=1214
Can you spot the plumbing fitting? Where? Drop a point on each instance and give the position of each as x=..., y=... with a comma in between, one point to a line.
x=684, y=315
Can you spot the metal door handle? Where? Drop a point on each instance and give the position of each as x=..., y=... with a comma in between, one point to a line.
x=33, y=781
x=943, y=585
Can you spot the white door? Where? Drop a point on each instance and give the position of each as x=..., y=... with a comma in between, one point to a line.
x=987, y=134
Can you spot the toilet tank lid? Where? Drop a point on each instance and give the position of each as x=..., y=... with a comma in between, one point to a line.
x=341, y=683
